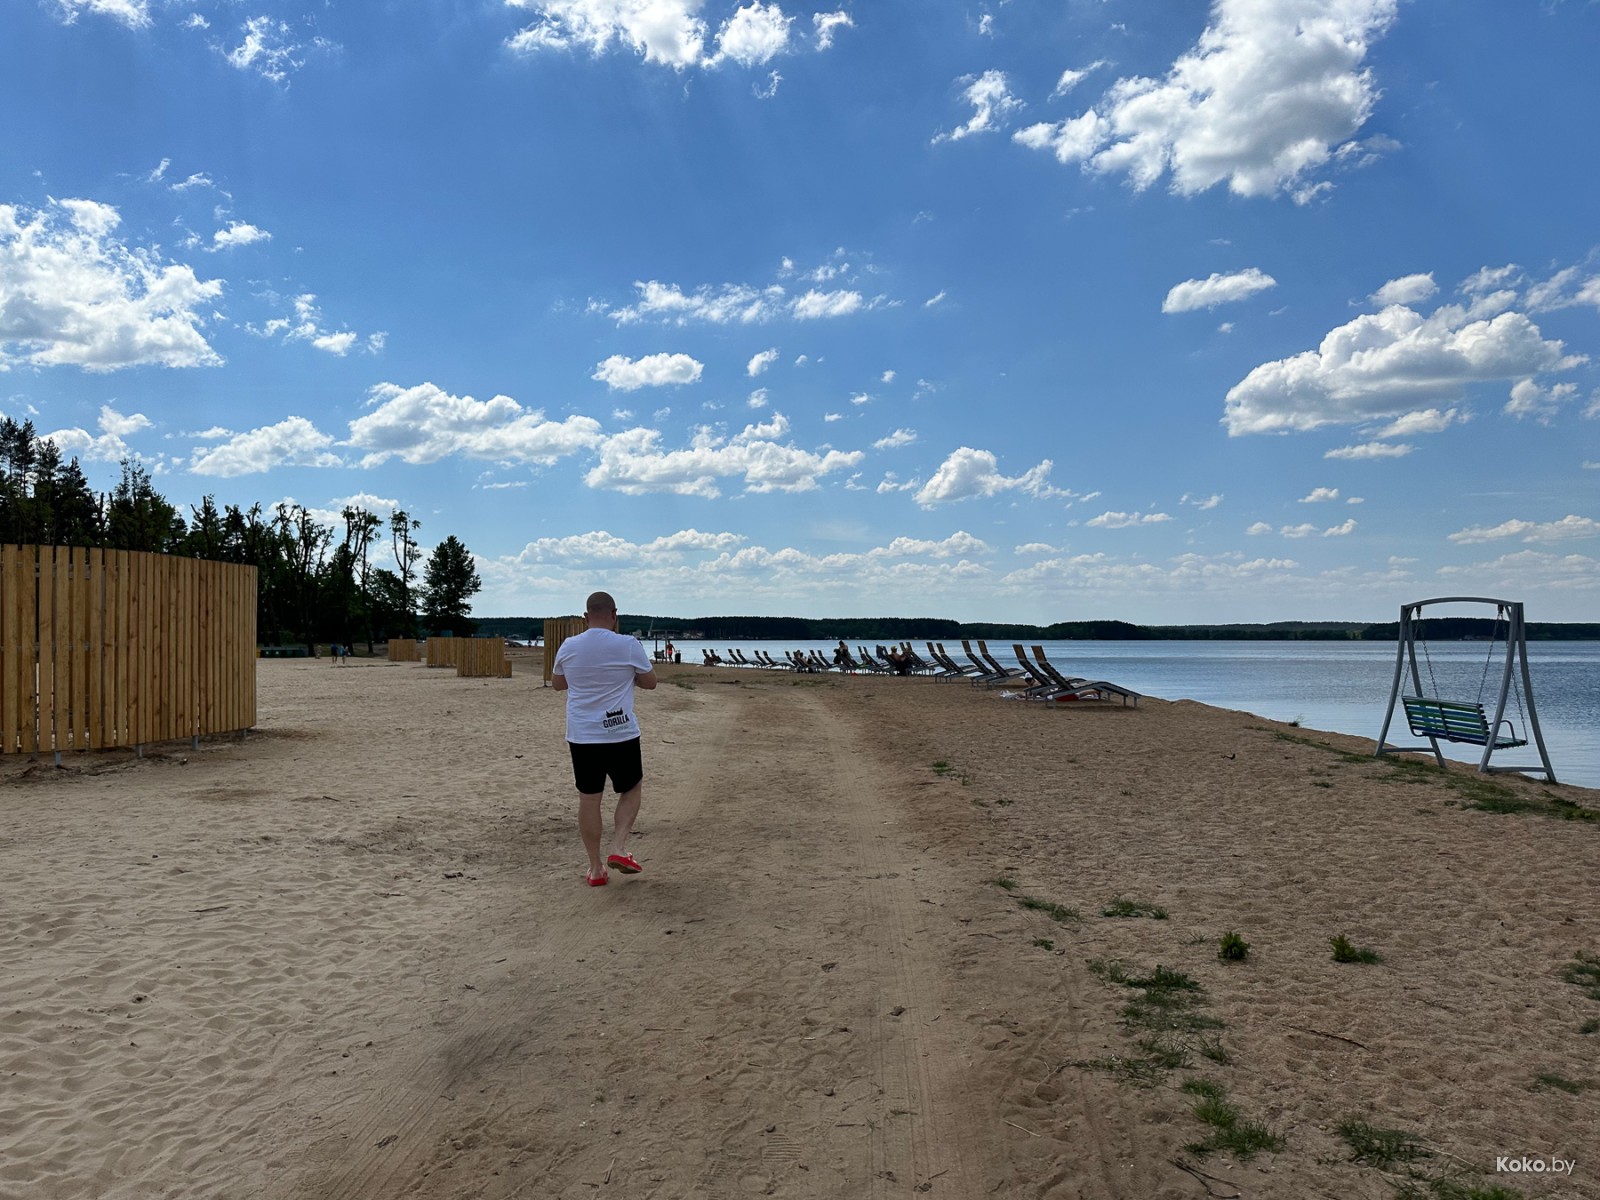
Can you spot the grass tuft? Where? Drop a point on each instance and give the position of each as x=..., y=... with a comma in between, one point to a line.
x=1059, y=913
x=1007, y=884
x=1124, y=907
x=1584, y=972
x=1381, y=1148
x=1345, y=951
x=1561, y=1084
x=1232, y=948
x=1230, y=1131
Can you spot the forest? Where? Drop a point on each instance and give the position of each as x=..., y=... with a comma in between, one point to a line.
x=316, y=582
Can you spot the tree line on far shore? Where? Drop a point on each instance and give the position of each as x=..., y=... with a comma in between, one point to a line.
x=897, y=629
x=315, y=582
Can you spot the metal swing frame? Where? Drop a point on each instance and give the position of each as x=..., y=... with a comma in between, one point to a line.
x=1516, y=665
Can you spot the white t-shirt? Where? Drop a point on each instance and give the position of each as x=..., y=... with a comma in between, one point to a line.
x=599, y=666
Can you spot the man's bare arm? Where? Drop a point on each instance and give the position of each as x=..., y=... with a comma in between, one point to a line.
x=647, y=680
x=559, y=682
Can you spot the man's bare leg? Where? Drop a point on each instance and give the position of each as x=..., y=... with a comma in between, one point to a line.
x=589, y=827
x=627, y=813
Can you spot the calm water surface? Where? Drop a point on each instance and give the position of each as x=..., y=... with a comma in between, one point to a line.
x=1337, y=686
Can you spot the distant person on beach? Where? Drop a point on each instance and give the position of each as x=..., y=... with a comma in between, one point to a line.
x=598, y=669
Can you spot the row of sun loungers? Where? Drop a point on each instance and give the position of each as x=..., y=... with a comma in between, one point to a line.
x=1037, y=679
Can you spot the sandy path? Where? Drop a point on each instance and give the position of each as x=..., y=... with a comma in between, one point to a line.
x=758, y=1013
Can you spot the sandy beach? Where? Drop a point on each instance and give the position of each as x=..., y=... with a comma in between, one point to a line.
x=351, y=955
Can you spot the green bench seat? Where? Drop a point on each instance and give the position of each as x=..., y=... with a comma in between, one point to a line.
x=1455, y=721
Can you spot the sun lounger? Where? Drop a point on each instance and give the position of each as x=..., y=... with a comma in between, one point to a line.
x=873, y=664
x=952, y=669
x=1040, y=685
x=1078, y=688
x=1001, y=674
x=983, y=675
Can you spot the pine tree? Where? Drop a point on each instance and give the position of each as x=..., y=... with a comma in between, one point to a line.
x=450, y=580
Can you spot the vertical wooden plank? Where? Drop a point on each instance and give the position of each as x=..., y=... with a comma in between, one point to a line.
x=163, y=663
x=28, y=602
x=80, y=647
x=183, y=666
x=45, y=688
x=139, y=656
x=201, y=622
x=63, y=649
x=125, y=648
x=10, y=677
x=94, y=655
x=249, y=583
x=10, y=647
x=236, y=640
x=117, y=648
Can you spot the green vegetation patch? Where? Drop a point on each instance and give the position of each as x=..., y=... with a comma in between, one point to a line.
x=1232, y=948
x=1230, y=1132
x=1412, y=1167
x=1168, y=1017
x=1382, y=1148
x=1122, y=906
x=1560, y=1083
x=1056, y=912
x=1345, y=951
x=1584, y=972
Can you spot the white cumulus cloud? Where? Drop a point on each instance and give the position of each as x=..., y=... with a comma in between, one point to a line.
x=1270, y=94
x=623, y=374
x=969, y=473
x=754, y=35
x=1123, y=520
x=1407, y=290
x=424, y=423
x=991, y=100
x=634, y=462
x=238, y=234
x=900, y=437
x=135, y=14
x=293, y=442
x=827, y=26
x=1392, y=362
x=1216, y=289
x=1568, y=528
x=71, y=294
x=760, y=362
x=1371, y=450
x=671, y=33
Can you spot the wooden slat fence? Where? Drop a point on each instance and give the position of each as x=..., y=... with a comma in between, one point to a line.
x=556, y=631
x=482, y=658
x=469, y=656
x=403, y=650
x=102, y=648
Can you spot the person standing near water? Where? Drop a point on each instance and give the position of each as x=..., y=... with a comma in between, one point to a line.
x=598, y=669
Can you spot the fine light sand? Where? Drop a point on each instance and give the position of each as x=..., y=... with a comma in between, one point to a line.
x=351, y=955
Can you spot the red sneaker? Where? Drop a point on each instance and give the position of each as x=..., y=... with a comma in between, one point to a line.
x=626, y=863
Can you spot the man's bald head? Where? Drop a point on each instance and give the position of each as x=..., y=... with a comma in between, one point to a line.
x=600, y=604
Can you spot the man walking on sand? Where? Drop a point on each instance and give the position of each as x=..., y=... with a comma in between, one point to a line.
x=598, y=669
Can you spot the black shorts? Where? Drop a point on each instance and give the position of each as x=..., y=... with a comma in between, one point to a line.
x=593, y=761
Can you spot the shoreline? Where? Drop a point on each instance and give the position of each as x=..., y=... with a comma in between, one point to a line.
x=351, y=956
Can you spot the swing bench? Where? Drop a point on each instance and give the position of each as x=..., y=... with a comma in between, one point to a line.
x=1463, y=721
x=1457, y=721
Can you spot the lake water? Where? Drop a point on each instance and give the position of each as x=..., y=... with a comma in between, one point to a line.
x=1337, y=686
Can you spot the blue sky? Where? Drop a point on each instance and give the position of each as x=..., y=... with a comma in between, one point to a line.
x=1137, y=309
